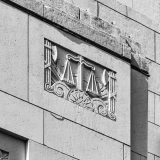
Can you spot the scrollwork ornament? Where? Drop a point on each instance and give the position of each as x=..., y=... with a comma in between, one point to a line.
x=100, y=107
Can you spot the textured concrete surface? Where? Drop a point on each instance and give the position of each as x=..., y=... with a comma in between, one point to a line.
x=14, y=52
x=154, y=139
x=47, y=100
x=138, y=32
x=157, y=110
x=151, y=107
x=153, y=81
x=14, y=146
x=128, y=3
x=127, y=153
x=40, y=152
x=157, y=51
x=89, y=5
x=78, y=141
x=135, y=156
x=139, y=113
x=21, y=118
x=150, y=157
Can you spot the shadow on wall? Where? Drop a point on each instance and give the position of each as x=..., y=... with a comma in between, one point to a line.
x=139, y=112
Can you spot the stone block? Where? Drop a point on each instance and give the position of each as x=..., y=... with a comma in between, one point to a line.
x=128, y=3
x=151, y=107
x=15, y=147
x=153, y=81
x=138, y=32
x=157, y=110
x=40, y=152
x=89, y=5
x=21, y=118
x=139, y=112
x=33, y=5
x=114, y=5
x=153, y=139
x=127, y=152
x=85, y=17
x=150, y=156
x=71, y=10
x=157, y=158
x=14, y=52
x=157, y=52
x=59, y=4
x=149, y=8
x=79, y=142
x=135, y=156
x=40, y=97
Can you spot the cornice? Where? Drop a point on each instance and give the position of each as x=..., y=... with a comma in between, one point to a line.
x=89, y=27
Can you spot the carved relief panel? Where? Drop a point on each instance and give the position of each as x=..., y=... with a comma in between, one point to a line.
x=79, y=80
x=4, y=155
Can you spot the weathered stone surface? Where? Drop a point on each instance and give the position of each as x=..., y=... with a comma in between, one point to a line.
x=64, y=108
x=71, y=10
x=138, y=32
x=40, y=152
x=143, y=158
x=150, y=157
x=89, y=5
x=157, y=109
x=21, y=118
x=103, y=39
x=151, y=106
x=157, y=51
x=14, y=146
x=85, y=17
x=127, y=153
x=34, y=5
x=153, y=81
x=135, y=156
x=114, y=5
x=153, y=139
x=139, y=112
x=14, y=52
x=59, y=4
x=78, y=141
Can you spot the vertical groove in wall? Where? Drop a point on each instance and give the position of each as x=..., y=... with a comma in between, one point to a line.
x=97, y=9
x=28, y=58
x=154, y=108
x=155, y=46
x=43, y=127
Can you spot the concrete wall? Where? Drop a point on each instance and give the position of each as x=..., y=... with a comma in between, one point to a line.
x=57, y=128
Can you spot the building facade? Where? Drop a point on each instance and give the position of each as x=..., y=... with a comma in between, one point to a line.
x=79, y=80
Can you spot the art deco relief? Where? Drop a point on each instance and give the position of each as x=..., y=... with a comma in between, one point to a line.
x=4, y=155
x=79, y=80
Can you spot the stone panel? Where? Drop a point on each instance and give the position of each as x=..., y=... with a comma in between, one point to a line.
x=138, y=32
x=157, y=110
x=150, y=157
x=78, y=141
x=89, y=5
x=126, y=2
x=139, y=112
x=21, y=118
x=151, y=105
x=114, y=5
x=157, y=158
x=38, y=96
x=127, y=152
x=135, y=156
x=40, y=152
x=14, y=53
x=15, y=147
x=153, y=139
x=153, y=81
x=157, y=53
x=150, y=8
